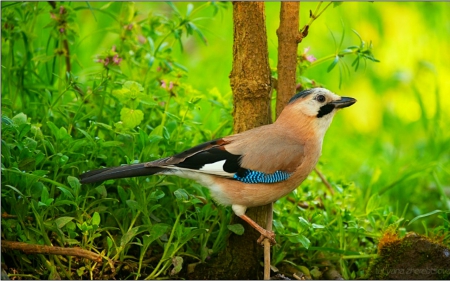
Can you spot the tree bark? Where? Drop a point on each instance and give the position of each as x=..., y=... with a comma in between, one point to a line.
x=288, y=39
x=250, y=76
x=250, y=81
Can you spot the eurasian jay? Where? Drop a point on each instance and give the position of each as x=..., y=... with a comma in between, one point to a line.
x=253, y=168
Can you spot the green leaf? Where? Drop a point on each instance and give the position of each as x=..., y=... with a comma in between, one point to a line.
x=333, y=64
x=23, y=130
x=190, y=7
x=53, y=129
x=157, y=231
x=20, y=119
x=236, y=228
x=373, y=203
x=181, y=194
x=5, y=119
x=131, y=117
x=44, y=194
x=303, y=222
x=68, y=193
x=300, y=239
x=80, y=271
x=128, y=236
x=109, y=242
x=427, y=215
x=191, y=234
x=74, y=183
x=96, y=219
x=111, y=143
x=122, y=194
x=317, y=226
x=278, y=225
x=134, y=206
x=15, y=189
x=62, y=221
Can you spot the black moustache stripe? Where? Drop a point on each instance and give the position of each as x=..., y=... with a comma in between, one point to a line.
x=325, y=109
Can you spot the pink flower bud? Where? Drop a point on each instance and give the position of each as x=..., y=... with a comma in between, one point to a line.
x=311, y=58
x=116, y=59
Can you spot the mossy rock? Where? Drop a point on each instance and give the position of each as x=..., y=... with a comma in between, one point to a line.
x=413, y=257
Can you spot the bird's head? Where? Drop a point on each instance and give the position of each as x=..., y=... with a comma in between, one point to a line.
x=315, y=107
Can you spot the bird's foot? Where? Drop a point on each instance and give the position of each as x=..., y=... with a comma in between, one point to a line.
x=270, y=235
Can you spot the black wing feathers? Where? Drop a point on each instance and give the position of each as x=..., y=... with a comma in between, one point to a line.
x=198, y=156
x=135, y=170
x=194, y=158
x=212, y=155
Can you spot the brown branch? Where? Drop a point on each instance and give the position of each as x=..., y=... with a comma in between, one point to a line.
x=267, y=243
x=313, y=16
x=67, y=55
x=324, y=180
x=288, y=39
x=5, y=215
x=49, y=250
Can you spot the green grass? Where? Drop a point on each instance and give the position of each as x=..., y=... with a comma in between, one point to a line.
x=164, y=90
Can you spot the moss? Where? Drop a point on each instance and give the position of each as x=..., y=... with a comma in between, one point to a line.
x=412, y=257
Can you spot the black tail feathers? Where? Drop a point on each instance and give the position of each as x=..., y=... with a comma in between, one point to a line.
x=135, y=170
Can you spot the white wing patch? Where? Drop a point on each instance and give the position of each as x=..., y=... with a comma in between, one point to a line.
x=215, y=168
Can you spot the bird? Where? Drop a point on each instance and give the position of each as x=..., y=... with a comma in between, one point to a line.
x=255, y=167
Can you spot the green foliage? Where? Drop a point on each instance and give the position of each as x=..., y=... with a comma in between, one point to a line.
x=132, y=106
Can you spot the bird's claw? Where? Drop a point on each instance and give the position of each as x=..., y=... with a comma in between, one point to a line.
x=270, y=235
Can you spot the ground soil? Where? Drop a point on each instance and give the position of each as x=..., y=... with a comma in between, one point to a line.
x=413, y=257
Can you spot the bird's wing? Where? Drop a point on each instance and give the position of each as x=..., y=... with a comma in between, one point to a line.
x=209, y=157
x=255, y=156
x=267, y=149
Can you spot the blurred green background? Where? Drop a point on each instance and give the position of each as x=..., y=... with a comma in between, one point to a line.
x=388, y=156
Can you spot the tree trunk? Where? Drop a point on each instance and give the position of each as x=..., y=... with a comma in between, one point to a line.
x=288, y=39
x=251, y=84
x=250, y=77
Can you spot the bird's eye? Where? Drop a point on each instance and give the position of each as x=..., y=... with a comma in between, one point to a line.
x=320, y=98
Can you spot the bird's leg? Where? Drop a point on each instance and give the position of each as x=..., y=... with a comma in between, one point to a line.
x=264, y=232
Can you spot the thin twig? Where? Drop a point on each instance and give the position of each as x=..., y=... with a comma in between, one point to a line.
x=50, y=250
x=5, y=215
x=313, y=16
x=267, y=243
x=324, y=180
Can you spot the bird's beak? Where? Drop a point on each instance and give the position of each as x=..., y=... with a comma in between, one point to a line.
x=343, y=102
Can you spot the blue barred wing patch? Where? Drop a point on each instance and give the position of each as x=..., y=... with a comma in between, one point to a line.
x=250, y=176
